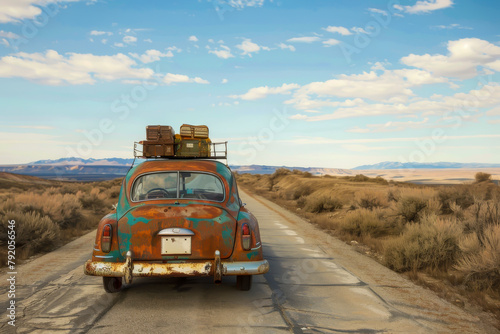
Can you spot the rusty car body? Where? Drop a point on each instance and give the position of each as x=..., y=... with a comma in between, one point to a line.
x=178, y=218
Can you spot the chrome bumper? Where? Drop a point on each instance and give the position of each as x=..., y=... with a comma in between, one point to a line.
x=216, y=268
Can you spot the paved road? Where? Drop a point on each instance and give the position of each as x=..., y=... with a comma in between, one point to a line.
x=317, y=284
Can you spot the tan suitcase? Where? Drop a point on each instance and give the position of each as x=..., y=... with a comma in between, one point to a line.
x=194, y=131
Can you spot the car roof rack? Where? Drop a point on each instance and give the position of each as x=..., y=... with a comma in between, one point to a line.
x=218, y=151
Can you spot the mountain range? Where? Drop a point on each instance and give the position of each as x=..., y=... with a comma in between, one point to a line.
x=77, y=169
x=428, y=165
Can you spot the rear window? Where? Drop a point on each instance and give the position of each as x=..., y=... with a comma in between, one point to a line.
x=178, y=185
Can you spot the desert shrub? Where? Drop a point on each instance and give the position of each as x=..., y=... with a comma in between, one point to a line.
x=301, y=202
x=64, y=210
x=480, y=263
x=300, y=191
x=113, y=192
x=431, y=244
x=360, y=178
x=323, y=221
x=322, y=203
x=481, y=215
x=365, y=222
x=410, y=208
x=482, y=177
x=370, y=199
x=93, y=200
x=7, y=204
x=460, y=195
x=34, y=233
x=302, y=173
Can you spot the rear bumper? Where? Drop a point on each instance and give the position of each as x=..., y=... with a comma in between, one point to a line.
x=145, y=269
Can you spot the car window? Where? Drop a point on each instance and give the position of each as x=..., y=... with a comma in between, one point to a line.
x=155, y=186
x=170, y=185
x=201, y=186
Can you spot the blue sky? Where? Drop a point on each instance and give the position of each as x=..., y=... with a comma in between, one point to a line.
x=300, y=83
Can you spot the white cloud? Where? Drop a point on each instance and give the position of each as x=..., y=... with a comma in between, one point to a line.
x=330, y=42
x=462, y=61
x=248, y=47
x=452, y=26
x=339, y=30
x=240, y=4
x=173, y=48
x=262, y=92
x=494, y=112
x=119, y=45
x=104, y=41
x=129, y=39
x=35, y=127
x=378, y=11
x=224, y=81
x=170, y=78
x=284, y=46
x=151, y=56
x=298, y=116
x=52, y=68
x=12, y=11
x=8, y=34
x=392, y=126
x=359, y=30
x=193, y=38
x=224, y=52
x=5, y=42
x=99, y=33
x=426, y=6
x=306, y=39
x=148, y=40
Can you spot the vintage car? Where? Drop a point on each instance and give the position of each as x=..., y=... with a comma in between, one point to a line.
x=178, y=218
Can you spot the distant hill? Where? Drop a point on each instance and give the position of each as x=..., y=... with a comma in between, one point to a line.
x=429, y=165
x=263, y=169
x=85, y=162
x=73, y=169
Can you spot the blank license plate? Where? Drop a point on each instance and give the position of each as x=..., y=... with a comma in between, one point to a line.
x=176, y=245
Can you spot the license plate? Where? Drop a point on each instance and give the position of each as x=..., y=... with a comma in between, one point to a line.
x=176, y=245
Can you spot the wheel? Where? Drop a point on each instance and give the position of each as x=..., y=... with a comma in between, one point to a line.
x=112, y=284
x=244, y=282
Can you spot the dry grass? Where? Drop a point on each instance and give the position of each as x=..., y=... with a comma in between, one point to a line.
x=371, y=199
x=317, y=203
x=413, y=227
x=433, y=244
x=52, y=213
x=480, y=263
x=365, y=222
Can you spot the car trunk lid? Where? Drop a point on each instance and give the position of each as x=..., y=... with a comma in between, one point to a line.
x=187, y=231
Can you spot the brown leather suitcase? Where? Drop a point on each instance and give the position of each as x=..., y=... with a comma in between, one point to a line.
x=153, y=148
x=194, y=131
x=163, y=133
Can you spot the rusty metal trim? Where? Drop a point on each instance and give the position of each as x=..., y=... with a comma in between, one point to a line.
x=246, y=268
x=218, y=268
x=145, y=269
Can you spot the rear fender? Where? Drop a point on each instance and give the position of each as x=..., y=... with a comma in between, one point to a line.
x=114, y=255
x=255, y=253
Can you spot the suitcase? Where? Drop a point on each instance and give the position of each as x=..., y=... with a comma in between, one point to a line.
x=193, y=148
x=194, y=131
x=153, y=149
x=163, y=133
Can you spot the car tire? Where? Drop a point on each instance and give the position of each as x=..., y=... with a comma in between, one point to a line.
x=244, y=282
x=112, y=284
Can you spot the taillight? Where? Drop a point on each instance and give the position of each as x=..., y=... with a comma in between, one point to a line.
x=246, y=236
x=107, y=233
